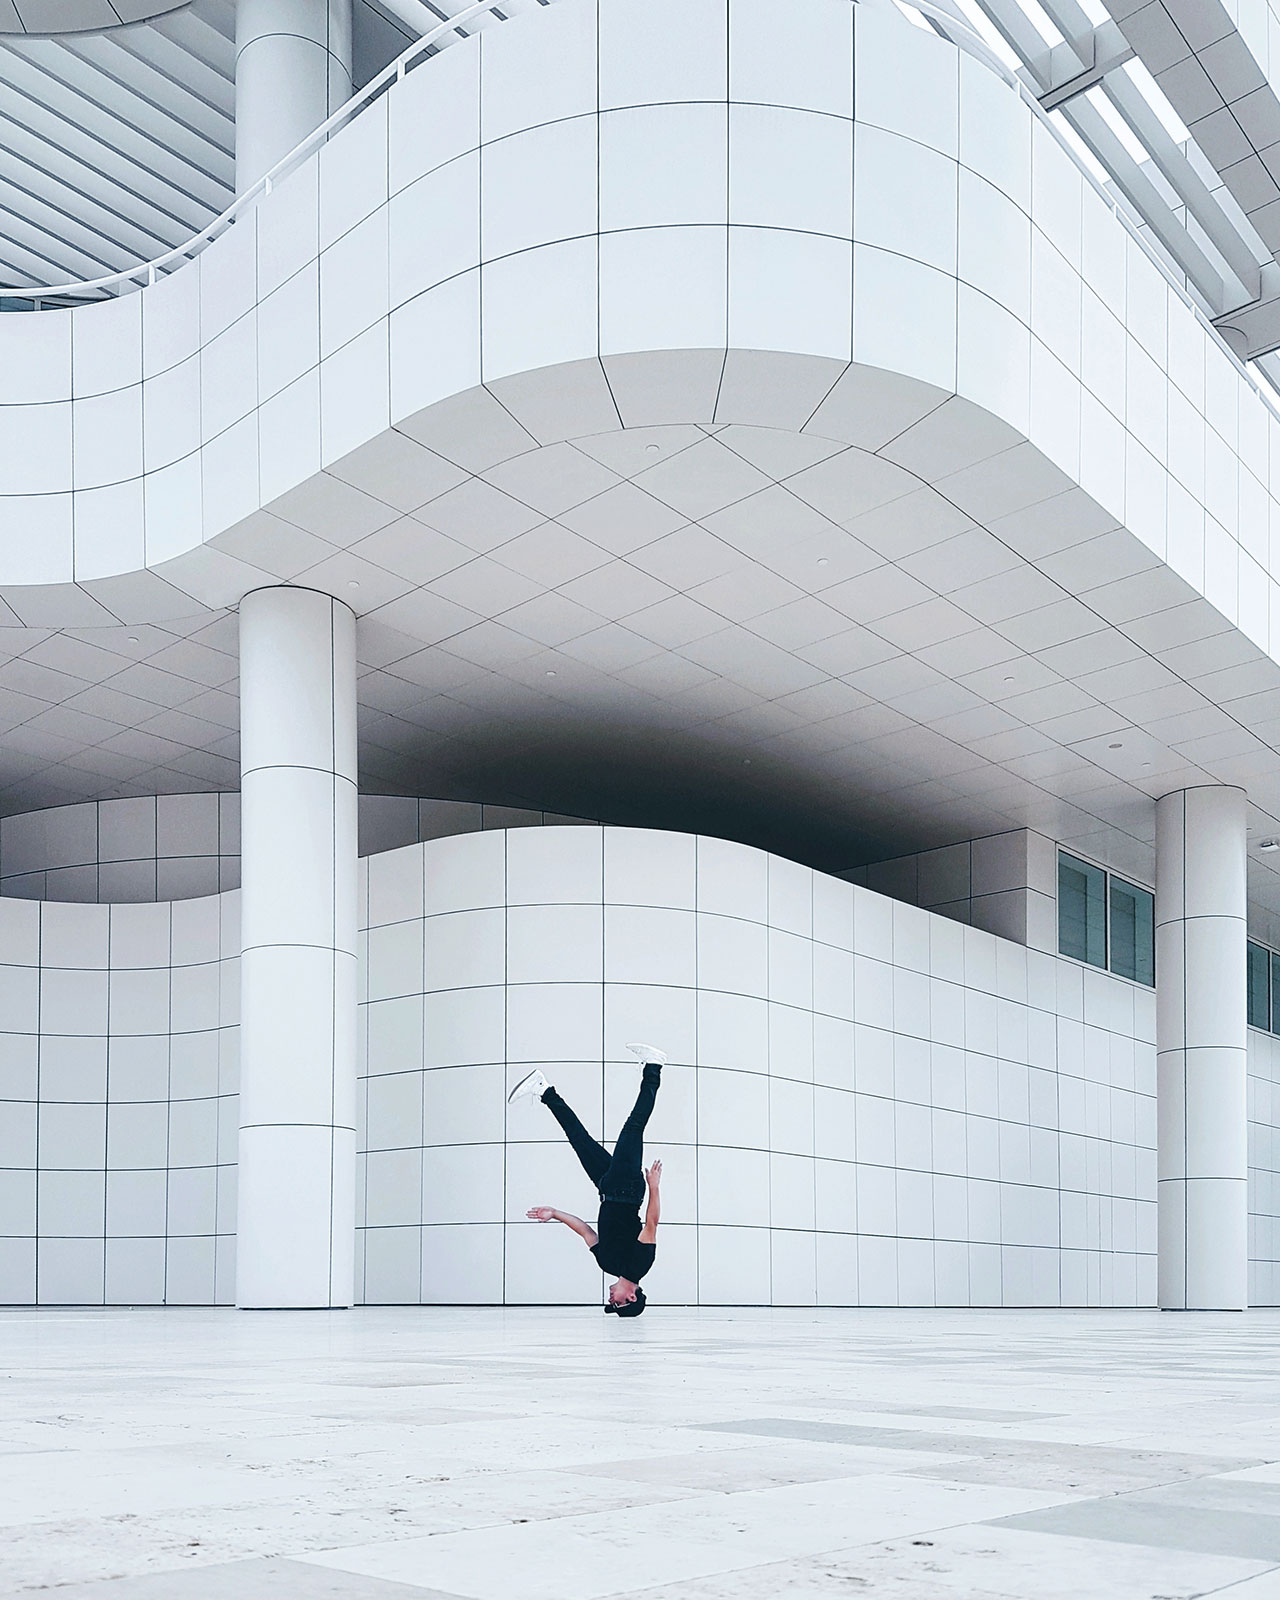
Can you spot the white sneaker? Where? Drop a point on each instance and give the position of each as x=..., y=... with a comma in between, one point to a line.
x=648, y=1052
x=532, y=1087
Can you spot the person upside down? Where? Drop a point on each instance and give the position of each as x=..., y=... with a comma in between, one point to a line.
x=620, y=1242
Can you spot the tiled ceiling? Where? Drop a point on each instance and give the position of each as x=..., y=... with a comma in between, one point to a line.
x=755, y=633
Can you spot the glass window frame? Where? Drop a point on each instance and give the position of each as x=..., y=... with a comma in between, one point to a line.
x=1275, y=988
x=1141, y=897
x=1107, y=878
x=1260, y=964
x=1089, y=870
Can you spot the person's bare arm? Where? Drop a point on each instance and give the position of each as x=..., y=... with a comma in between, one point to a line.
x=584, y=1230
x=649, y=1233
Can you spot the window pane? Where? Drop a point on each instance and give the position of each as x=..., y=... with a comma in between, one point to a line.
x=1133, y=932
x=1275, y=990
x=1257, y=965
x=1082, y=911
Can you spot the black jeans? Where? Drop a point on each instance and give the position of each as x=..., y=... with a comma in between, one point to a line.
x=619, y=1176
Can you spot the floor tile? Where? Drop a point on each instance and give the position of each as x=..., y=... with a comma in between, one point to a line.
x=267, y=1579
x=588, y=1557
x=548, y=1454
x=1132, y=1520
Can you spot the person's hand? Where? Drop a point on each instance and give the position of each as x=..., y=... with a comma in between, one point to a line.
x=654, y=1175
x=541, y=1214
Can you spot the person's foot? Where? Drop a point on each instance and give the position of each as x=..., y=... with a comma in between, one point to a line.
x=532, y=1087
x=649, y=1052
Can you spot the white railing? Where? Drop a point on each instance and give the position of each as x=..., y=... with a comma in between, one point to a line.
x=148, y=272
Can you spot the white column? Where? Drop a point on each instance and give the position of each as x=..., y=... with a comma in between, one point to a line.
x=296, y=1204
x=293, y=68
x=1201, y=1050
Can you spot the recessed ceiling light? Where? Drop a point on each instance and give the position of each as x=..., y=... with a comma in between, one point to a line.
x=1118, y=745
x=746, y=761
x=353, y=583
x=133, y=638
x=551, y=672
x=1268, y=845
x=653, y=448
x=823, y=562
x=1011, y=679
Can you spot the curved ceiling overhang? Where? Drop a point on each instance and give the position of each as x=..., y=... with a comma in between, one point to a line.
x=1028, y=441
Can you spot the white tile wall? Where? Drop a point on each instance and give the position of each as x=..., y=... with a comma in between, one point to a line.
x=154, y=847
x=863, y=1103
x=185, y=846
x=1006, y=883
x=1264, y=1169
x=118, y=1101
x=994, y=1145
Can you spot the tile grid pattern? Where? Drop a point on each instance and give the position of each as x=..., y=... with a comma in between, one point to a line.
x=865, y=1101
x=1006, y=883
x=118, y=1078
x=184, y=846
x=1264, y=1169
x=153, y=847
x=844, y=1181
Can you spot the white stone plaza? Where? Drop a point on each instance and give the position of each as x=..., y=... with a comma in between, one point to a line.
x=703, y=1455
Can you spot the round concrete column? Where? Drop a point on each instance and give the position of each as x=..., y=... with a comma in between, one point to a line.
x=293, y=68
x=1201, y=1050
x=296, y=1211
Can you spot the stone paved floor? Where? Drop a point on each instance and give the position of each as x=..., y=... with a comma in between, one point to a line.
x=691, y=1455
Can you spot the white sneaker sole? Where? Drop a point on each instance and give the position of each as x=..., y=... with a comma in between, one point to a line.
x=526, y=1086
x=647, y=1052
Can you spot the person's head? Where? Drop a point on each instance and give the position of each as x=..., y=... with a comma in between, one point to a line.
x=625, y=1299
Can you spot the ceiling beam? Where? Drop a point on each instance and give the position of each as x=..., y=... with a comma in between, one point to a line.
x=110, y=148
x=1218, y=294
x=71, y=259
x=155, y=70
x=1107, y=49
x=50, y=174
x=80, y=94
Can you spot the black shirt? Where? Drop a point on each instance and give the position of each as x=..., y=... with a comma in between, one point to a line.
x=618, y=1249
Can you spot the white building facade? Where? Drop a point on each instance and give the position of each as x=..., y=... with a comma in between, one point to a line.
x=763, y=455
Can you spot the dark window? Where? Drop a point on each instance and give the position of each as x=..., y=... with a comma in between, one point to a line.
x=1133, y=932
x=1082, y=911
x=1258, y=963
x=1275, y=990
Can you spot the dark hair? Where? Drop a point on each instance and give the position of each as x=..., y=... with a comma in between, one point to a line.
x=629, y=1308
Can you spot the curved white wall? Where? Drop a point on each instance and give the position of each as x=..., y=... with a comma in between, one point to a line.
x=866, y=1103
x=183, y=846
x=1264, y=1169
x=144, y=848
x=118, y=1077
x=602, y=181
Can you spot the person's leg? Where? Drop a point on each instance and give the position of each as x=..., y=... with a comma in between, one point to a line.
x=628, y=1152
x=594, y=1157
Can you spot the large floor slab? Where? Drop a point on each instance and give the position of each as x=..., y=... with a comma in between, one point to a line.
x=694, y=1455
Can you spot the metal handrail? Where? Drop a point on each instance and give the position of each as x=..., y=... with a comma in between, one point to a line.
x=147, y=272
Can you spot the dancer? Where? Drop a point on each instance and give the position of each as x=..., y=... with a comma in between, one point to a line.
x=619, y=1241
